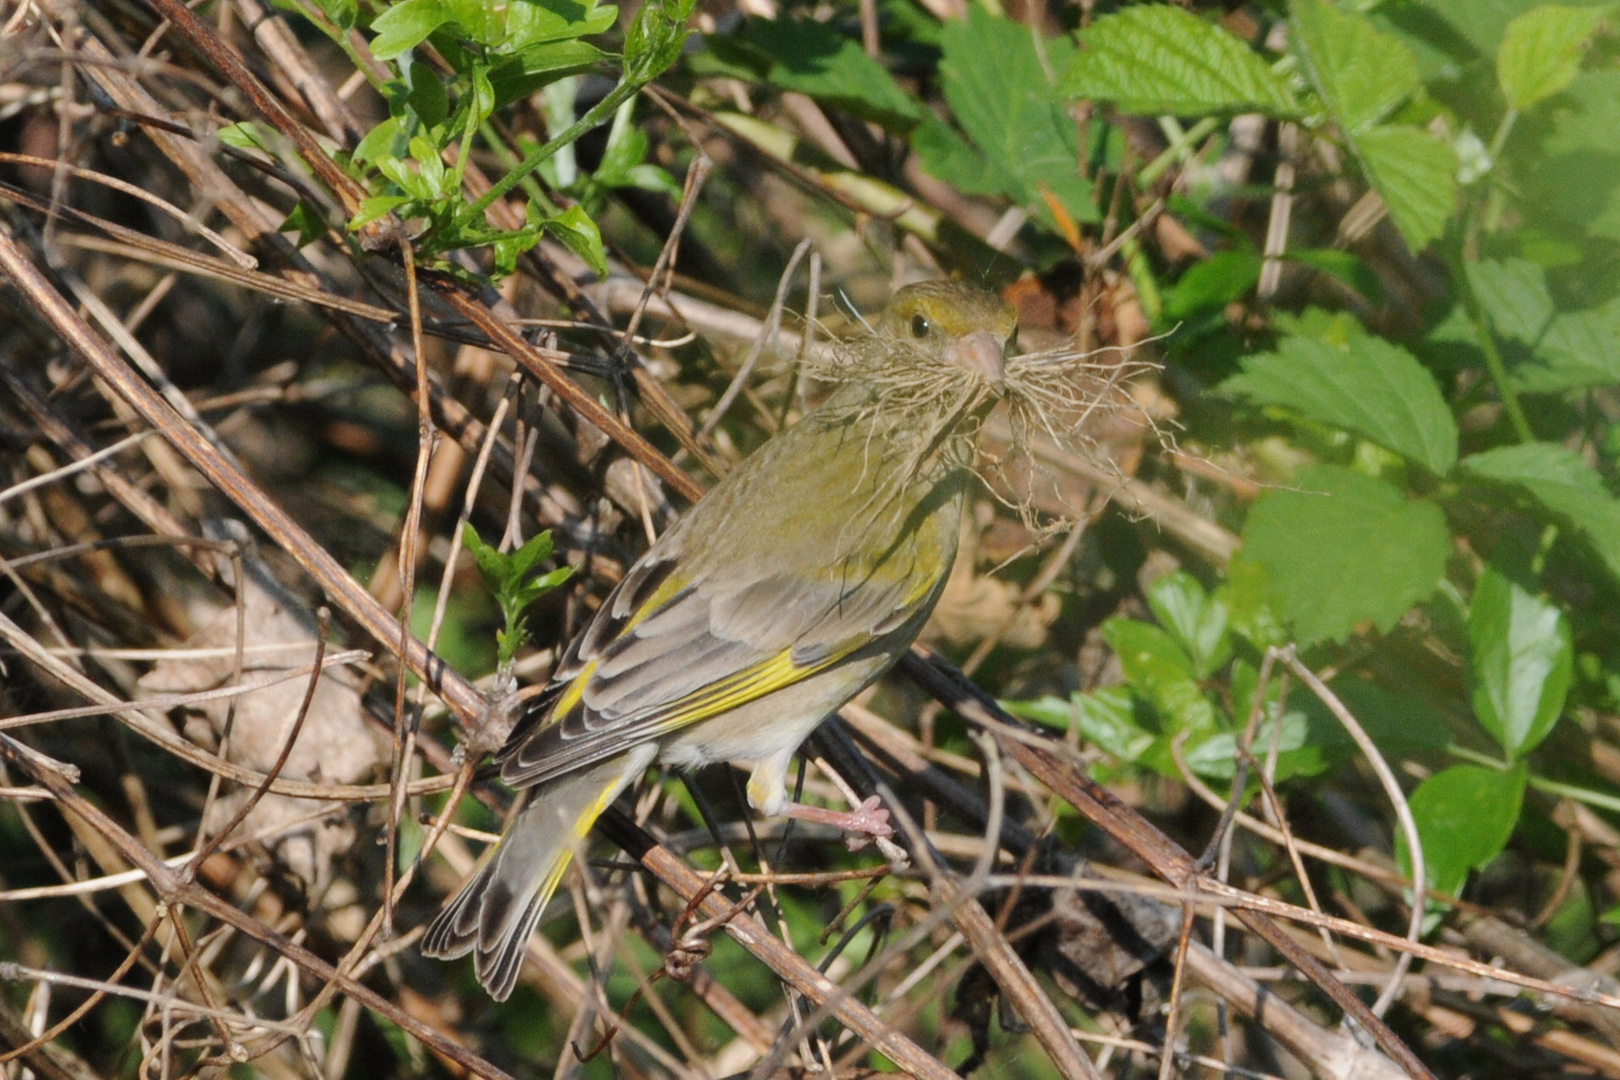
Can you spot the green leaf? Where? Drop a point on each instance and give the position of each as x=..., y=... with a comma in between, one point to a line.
x=1107, y=719
x=1246, y=597
x=376, y=207
x=1361, y=72
x=1573, y=176
x=817, y=61
x=1465, y=817
x=384, y=140
x=1369, y=387
x=1542, y=49
x=1213, y=282
x=1216, y=756
x=341, y=12
x=1157, y=668
x=1561, y=484
x=1347, y=266
x=655, y=38
x=1395, y=722
x=580, y=235
x=1345, y=548
x=427, y=96
x=531, y=555
x=1155, y=59
x=1572, y=350
x=1579, y=349
x=540, y=66
x=1148, y=656
x=406, y=25
x=490, y=562
x=529, y=24
x=1416, y=174
x=306, y=221
x=243, y=136
x=1193, y=618
x=999, y=88
x=1513, y=294
x=1522, y=662
x=1481, y=22
x=951, y=158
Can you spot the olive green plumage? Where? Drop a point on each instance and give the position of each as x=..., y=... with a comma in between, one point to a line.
x=802, y=577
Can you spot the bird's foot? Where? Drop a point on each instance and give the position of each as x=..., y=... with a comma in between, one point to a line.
x=867, y=822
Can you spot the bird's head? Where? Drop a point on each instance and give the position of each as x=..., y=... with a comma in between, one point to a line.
x=961, y=325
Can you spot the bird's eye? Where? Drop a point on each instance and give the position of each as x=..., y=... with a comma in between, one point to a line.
x=920, y=326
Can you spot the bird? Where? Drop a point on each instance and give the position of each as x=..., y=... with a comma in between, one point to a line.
x=797, y=581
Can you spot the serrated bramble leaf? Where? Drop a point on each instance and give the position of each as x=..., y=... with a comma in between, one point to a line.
x=1573, y=175
x=1542, y=49
x=1465, y=817
x=1513, y=294
x=951, y=158
x=1580, y=349
x=1416, y=174
x=1156, y=59
x=999, y=88
x=816, y=60
x=1342, y=548
x=1521, y=664
x=1362, y=72
x=1559, y=483
x=1369, y=387
x=1148, y=656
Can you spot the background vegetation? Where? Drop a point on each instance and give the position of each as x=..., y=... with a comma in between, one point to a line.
x=1344, y=565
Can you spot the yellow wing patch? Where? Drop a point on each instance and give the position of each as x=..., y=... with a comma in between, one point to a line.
x=748, y=685
x=576, y=687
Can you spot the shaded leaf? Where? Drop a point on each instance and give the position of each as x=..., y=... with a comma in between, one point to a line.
x=1559, y=483
x=816, y=60
x=1213, y=282
x=1345, y=548
x=1001, y=91
x=1513, y=294
x=1362, y=72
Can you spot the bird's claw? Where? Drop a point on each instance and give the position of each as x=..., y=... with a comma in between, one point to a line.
x=865, y=823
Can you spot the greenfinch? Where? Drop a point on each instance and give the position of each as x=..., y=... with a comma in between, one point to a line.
x=798, y=580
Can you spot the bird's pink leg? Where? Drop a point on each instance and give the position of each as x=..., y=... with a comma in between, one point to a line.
x=865, y=823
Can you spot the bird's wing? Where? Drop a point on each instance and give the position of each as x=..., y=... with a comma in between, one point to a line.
x=665, y=652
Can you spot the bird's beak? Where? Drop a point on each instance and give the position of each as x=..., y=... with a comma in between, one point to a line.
x=979, y=352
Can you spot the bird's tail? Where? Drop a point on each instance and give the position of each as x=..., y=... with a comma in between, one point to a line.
x=496, y=910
